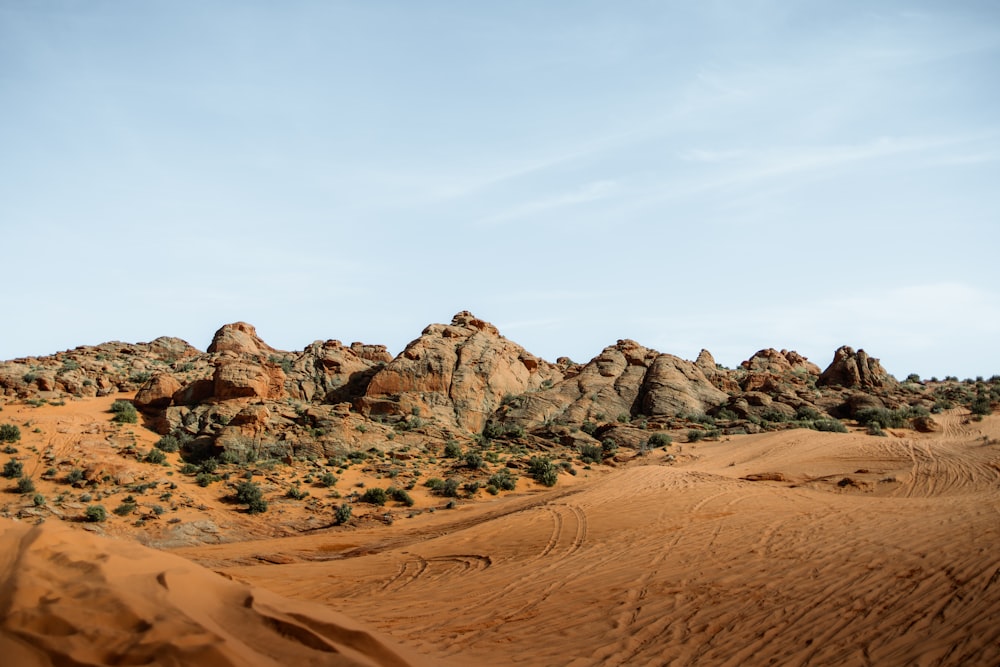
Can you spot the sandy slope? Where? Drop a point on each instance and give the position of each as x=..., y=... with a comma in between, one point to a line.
x=68, y=598
x=871, y=551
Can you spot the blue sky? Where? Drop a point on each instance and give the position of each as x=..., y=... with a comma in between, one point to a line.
x=729, y=175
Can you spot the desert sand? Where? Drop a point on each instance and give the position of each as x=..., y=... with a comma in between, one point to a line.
x=791, y=547
x=869, y=551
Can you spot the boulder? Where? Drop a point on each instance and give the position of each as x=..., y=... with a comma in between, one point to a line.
x=241, y=338
x=157, y=393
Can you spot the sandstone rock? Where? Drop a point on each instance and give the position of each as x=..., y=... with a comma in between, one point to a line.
x=196, y=392
x=457, y=373
x=157, y=393
x=243, y=379
x=241, y=338
x=673, y=387
x=855, y=369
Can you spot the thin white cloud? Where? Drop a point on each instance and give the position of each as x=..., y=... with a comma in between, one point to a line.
x=584, y=194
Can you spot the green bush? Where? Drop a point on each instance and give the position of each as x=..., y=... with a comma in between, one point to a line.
x=249, y=494
x=125, y=509
x=588, y=427
x=493, y=430
x=400, y=496
x=343, y=514
x=155, y=456
x=13, y=469
x=296, y=493
x=125, y=412
x=95, y=513
x=503, y=480
x=168, y=443
x=807, y=413
x=591, y=453
x=203, y=479
x=375, y=496
x=74, y=476
x=452, y=450
x=450, y=488
x=327, y=479
x=832, y=425
x=25, y=485
x=434, y=484
x=660, y=440
x=9, y=433
x=542, y=471
x=474, y=459
x=38, y=500
x=608, y=447
x=694, y=435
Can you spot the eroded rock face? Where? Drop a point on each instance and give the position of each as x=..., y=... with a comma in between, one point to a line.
x=241, y=338
x=855, y=370
x=238, y=378
x=456, y=372
x=674, y=386
x=158, y=393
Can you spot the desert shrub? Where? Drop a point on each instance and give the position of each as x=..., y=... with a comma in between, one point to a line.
x=25, y=485
x=296, y=493
x=493, y=430
x=125, y=509
x=474, y=459
x=694, y=435
x=624, y=418
x=327, y=479
x=375, y=496
x=74, y=476
x=189, y=469
x=832, y=425
x=38, y=500
x=155, y=456
x=342, y=514
x=9, y=433
x=981, y=404
x=774, y=416
x=588, y=427
x=660, y=440
x=701, y=418
x=886, y=418
x=875, y=429
x=543, y=471
x=472, y=487
x=807, y=413
x=203, y=479
x=591, y=453
x=168, y=443
x=514, y=431
x=434, y=483
x=726, y=414
x=249, y=494
x=13, y=469
x=400, y=496
x=503, y=480
x=124, y=412
x=608, y=447
x=95, y=513
x=492, y=490
x=450, y=488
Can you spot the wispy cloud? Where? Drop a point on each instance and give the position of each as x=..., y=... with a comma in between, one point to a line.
x=584, y=194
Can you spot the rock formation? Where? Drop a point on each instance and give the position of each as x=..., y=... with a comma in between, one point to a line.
x=855, y=370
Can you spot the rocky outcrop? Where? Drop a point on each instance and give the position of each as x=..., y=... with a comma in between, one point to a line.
x=673, y=387
x=239, y=378
x=157, y=393
x=240, y=338
x=855, y=370
x=457, y=373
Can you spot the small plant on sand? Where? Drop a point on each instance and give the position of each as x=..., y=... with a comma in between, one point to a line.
x=590, y=453
x=375, y=496
x=168, y=443
x=328, y=479
x=155, y=456
x=249, y=494
x=125, y=412
x=452, y=450
x=502, y=480
x=400, y=496
x=9, y=433
x=13, y=469
x=296, y=492
x=74, y=476
x=660, y=440
x=542, y=471
x=342, y=514
x=25, y=485
x=95, y=513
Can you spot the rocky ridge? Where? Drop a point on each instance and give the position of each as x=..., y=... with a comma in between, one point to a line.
x=461, y=380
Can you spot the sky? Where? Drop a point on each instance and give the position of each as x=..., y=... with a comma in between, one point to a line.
x=729, y=175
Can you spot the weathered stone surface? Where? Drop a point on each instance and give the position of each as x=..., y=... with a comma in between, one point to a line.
x=457, y=373
x=235, y=378
x=241, y=338
x=674, y=387
x=157, y=393
x=855, y=369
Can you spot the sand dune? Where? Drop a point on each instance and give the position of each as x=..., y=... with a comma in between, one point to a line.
x=872, y=551
x=68, y=598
